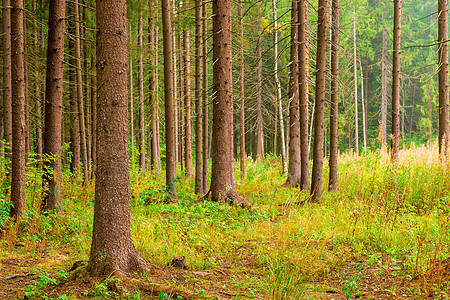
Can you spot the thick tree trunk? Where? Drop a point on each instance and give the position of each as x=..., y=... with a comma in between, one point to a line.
x=54, y=104
x=187, y=105
x=18, y=110
x=130, y=84
x=294, y=172
x=241, y=91
x=395, y=132
x=277, y=82
x=303, y=54
x=112, y=248
x=443, y=77
x=79, y=80
x=259, y=118
x=169, y=99
x=355, y=85
x=205, y=99
x=141, y=96
x=316, y=184
x=334, y=109
x=199, y=183
x=7, y=106
x=222, y=188
x=384, y=83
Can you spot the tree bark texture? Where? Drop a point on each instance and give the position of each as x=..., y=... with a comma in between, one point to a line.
x=206, y=151
x=303, y=54
x=199, y=183
x=169, y=99
x=7, y=96
x=54, y=104
x=355, y=85
x=130, y=84
x=222, y=188
x=384, y=83
x=241, y=92
x=316, y=188
x=334, y=151
x=112, y=247
x=259, y=118
x=187, y=105
x=141, y=95
x=395, y=131
x=443, y=77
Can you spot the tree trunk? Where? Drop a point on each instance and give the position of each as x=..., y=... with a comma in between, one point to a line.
x=241, y=91
x=355, y=78
x=80, y=101
x=169, y=100
x=18, y=110
x=187, y=105
x=199, y=183
x=112, y=248
x=54, y=104
x=141, y=96
x=430, y=106
x=395, y=132
x=334, y=107
x=259, y=119
x=94, y=113
x=363, y=108
x=294, y=172
x=222, y=188
x=7, y=106
x=316, y=191
x=277, y=82
x=205, y=98
x=443, y=77
x=384, y=83
x=303, y=54
x=130, y=84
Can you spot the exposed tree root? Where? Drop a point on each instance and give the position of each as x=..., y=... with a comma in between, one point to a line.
x=155, y=289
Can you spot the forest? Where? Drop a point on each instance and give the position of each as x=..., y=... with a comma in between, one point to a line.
x=224, y=149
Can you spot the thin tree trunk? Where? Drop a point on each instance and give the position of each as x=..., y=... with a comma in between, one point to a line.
x=79, y=80
x=259, y=120
x=277, y=82
x=199, y=183
x=169, y=99
x=241, y=91
x=294, y=172
x=443, y=77
x=317, y=179
x=94, y=113
x=395, y=132
x=363, y=108
x=112, y=248
x=334, y=107
x=187, y=105
x=303, y=54
x=26, y=107
x=130, y=38
x=54, y=104
x=430, y=107
x=384, y=83
x=7, y=91
x=355, y=78
x=205, y=99
x=141, y=96
x=18, y=110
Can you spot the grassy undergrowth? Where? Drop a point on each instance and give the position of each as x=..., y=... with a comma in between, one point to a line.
x=395, y=225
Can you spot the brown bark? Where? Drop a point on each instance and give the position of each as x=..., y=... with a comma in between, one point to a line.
x=395, y=131
x=205, y=99
x=187, y=106
x=241, y=91
x=80, y=101
x=259, y=118
x=430, y=106
x=334, y=151
x=18, y=110
x=94, y=114
x=316, y=184
x=112, y=249
x=7, y=108
x=384, y=83
x=443, y=77
x=222, y=188
x=130, y=84
x=294, y=171
x=26, y=107
x=169, y=99
x=303, y=54
x=355, y=85
x=199, y=183
x=141, y=96
x=54, y=104
x=179, y=100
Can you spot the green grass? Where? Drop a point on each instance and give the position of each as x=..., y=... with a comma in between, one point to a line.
x=274, y=251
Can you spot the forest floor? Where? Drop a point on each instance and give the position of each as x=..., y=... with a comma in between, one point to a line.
x=382, y=236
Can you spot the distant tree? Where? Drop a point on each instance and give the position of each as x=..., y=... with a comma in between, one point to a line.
x=141, y=95
x=18, y=110
x=443, y=77
x=384, y=80
x=259, y=118
x=7, y=114
x=334, y=134
x=112, y=248
x=222, y=188
x=206, y=151
x=169, y=99
x=395, y=131
x=54, y=104
x=130, y=84
x=187, y=104
x=316, y=184
x=241, y=90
